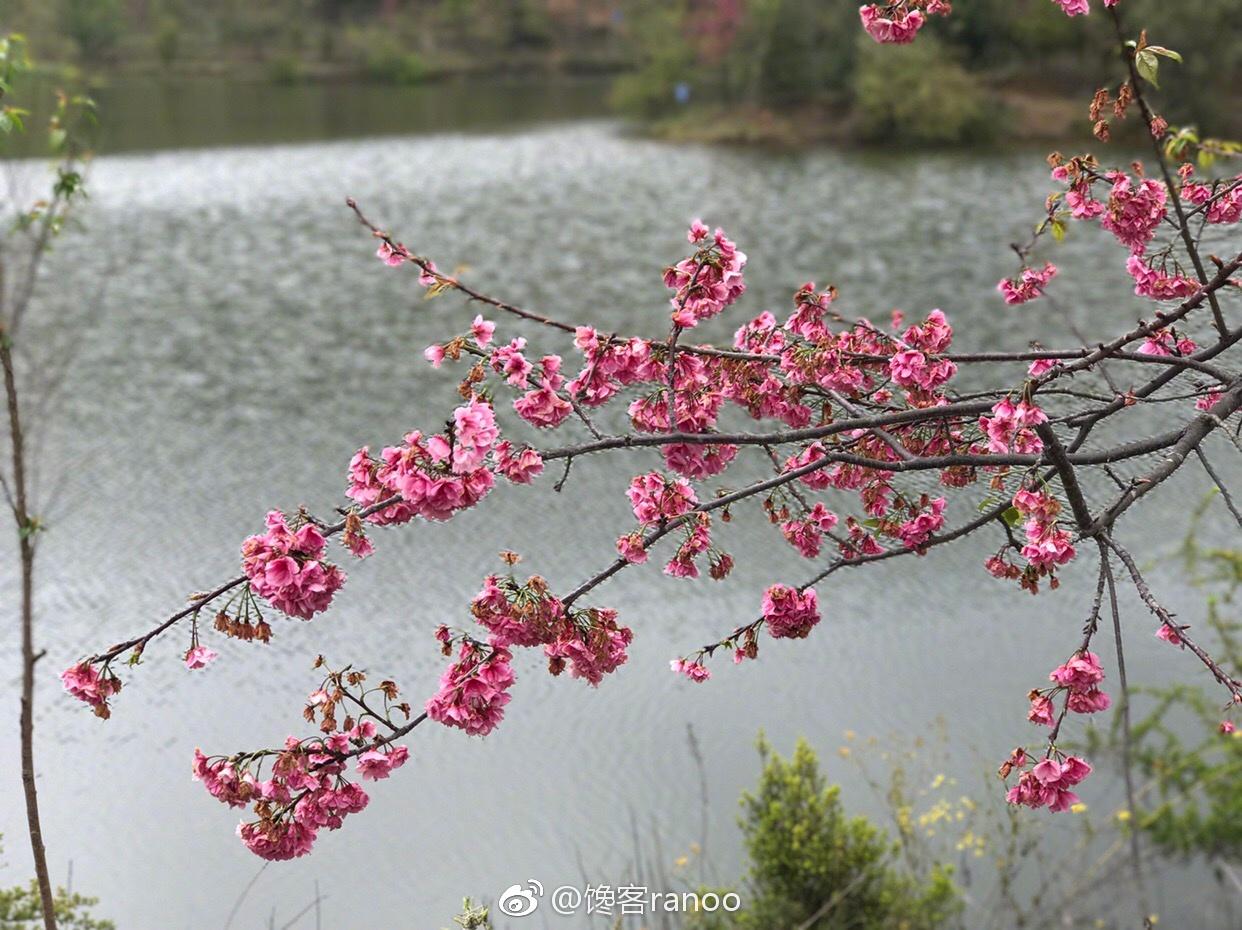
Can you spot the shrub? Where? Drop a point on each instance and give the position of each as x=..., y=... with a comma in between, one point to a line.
x=20, y=910
x=813, y=866
x=918, y=94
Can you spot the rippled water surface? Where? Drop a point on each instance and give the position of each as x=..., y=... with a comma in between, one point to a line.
x=246, y=342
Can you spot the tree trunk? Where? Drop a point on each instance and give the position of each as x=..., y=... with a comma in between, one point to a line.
x=26, y=545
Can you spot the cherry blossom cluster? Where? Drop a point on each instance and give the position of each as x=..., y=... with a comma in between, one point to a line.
x=1045, y=783
x=898, y=23
x=1048, y=546
x=474, y=690
x=1011, y=427
x=307, y=785
x=91, y=685
x=433, y=476
x=1222, y=200
x=588, y=642
x=708, y=281
x=1135, y=209
x=1078, y=680
x=286, y=567
x=1028, y=285
x=1079, y=7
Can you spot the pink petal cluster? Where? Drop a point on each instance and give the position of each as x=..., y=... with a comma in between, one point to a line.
x=1134, y=211
x=1081, y=677
x=694, y=670
x=433, y=477
x=1048, y=782
x=1011, y=427
x=1169, y=634
x=375, y=764
x=510, y=361
x=473, y=690
x=655, y=498
x=1048, y=544
x=392, y=257
x=594, y=652
x=197, y=657
x=1166, y=342
x=698, y=461
x=307, y=788
x=1075, y=7
x=1227, y=205
x=898, y=28
x=543, y=406
x=912, y=369
x=521, y=466
x=1148, y=282
x=708, y=281
x=916, y=532
x=697, y=540
x=806, y=534
x=474, y=434
x=1079, y=199
x=286, y=567
x=517, y=615
x=589, y=643
x=1028, y=285
x=1041, y=367
x=89, y=685
x=631, y=548
x=1209, y=400
x=610, y=364
x=789, y=614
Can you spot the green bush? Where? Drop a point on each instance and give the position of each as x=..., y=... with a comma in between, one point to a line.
x=812, y=865
x=20, y=909
x=385, y=56
x=917, y=94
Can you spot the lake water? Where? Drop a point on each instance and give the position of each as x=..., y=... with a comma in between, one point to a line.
x=245, y=342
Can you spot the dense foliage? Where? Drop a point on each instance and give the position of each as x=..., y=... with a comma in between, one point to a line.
x=814, y=866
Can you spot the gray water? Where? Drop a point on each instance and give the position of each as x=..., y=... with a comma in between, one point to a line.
x=245, y=341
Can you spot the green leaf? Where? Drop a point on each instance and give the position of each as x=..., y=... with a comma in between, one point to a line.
x=1148, y=66
x=1164, y=52
x=1012, y=516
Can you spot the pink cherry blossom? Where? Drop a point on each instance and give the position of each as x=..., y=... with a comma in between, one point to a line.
x=197, y=657
x=482, y=330
x=285, y=567
x=788, y=613
x=655, y=498
x=898, y=28
x=88, y=684
x=473, y=690
x=1028, y=285
x=695, y=671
